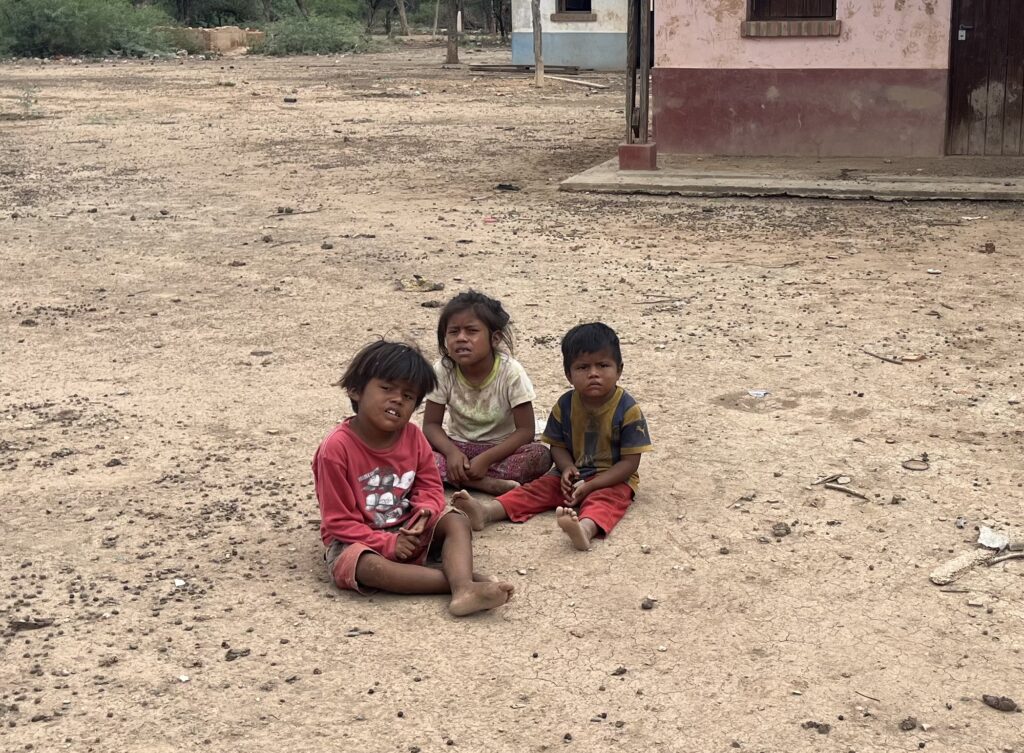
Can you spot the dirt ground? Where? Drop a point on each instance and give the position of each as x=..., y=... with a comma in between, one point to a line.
x=187, y=263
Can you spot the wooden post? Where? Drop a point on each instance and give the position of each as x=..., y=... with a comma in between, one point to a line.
x=645, y=68
x=452, y=57
x=632, y=54
x=538, y=52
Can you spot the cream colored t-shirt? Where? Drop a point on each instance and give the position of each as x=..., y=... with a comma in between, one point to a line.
x=483, y=412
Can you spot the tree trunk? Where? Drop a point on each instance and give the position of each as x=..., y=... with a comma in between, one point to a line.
x=183, y=10
x=538, y=53
x=403, y=22
x=268, y=10
x=387, y=22
x=301, y=4
x=452, y=56
x=501, y=20
x=371, y=15
x=437, y=12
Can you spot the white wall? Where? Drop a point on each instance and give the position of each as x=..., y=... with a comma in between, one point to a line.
x=611, y=17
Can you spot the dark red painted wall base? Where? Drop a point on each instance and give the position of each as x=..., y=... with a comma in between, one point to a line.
x=824, y=112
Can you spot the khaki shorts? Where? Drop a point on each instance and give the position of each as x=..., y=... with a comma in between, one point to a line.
x=343, y=557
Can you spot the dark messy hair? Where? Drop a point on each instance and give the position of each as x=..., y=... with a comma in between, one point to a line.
x=488, y=310
x=589, y=338
x=389, y=362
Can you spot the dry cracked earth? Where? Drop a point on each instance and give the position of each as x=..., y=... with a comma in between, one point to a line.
x=187, y=261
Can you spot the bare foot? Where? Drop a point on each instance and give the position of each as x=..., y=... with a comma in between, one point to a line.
x=495, y=486
x=569, y=522
x=476, y=597
x=483, y=578
x=474, y=510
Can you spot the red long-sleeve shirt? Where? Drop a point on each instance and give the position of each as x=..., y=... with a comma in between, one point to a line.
x=365, y=494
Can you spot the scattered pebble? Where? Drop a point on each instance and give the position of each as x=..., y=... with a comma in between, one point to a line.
x=821, y=727
x=1000, y=702
x=236, y=653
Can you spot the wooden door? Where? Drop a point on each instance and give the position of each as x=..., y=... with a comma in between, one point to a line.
x=986, y=83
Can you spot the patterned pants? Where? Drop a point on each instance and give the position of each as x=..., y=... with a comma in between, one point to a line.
x=525, y=464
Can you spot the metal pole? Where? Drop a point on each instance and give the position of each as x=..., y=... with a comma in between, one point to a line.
x=645, y=67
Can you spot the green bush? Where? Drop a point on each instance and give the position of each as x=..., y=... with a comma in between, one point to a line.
x=255, y=13
x=300, y=36
x=80, y=27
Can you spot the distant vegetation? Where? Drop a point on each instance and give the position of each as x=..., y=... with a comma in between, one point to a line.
x=139, y=27
x=316, y=34
x=80, y=27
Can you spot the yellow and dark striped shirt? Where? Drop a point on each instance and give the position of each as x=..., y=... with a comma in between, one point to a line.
x=597, y=439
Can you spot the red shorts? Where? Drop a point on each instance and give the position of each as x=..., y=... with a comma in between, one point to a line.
x=605, y=506
x=342, y=558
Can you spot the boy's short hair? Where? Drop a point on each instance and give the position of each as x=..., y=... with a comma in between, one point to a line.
x=589, y=338
x=389, y=361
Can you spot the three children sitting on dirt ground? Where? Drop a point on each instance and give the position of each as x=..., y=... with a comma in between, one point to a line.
x=378, y=477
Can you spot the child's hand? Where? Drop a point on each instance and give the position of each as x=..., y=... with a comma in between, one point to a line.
x=569, y=477
x=418, y=525
x=409, y=536
x=406, y=546
x=580, y=490
x=478, y=468
x=458, y=468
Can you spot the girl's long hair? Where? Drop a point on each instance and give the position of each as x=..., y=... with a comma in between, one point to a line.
x=488, y=310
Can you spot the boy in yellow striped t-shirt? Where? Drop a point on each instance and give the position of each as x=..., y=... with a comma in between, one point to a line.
x=596, y=432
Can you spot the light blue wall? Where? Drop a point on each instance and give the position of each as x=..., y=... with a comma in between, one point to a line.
x=604, y=51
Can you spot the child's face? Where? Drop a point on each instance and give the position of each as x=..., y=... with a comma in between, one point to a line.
x=594, y=375
x=467, y=339
x=384, y=407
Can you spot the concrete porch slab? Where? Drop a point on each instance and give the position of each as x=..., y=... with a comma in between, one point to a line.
x=945, y=178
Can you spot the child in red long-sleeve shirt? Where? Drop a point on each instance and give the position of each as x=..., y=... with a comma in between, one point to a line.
x=382, y=505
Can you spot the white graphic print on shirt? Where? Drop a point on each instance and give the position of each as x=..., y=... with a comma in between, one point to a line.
x=386, y=494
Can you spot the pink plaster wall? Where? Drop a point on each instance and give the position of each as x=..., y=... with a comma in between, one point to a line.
x=875, y=34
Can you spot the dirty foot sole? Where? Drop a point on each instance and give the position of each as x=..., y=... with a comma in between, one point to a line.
x=569, y=522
